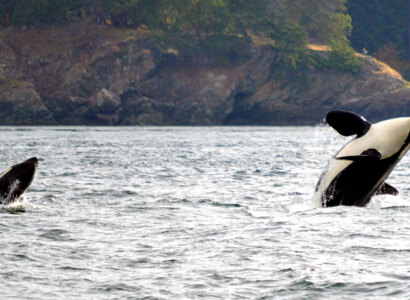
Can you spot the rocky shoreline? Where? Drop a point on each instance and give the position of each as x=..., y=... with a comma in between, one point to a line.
x=85, y=74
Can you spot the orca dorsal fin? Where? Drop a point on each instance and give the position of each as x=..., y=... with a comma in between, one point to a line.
x=347, y=123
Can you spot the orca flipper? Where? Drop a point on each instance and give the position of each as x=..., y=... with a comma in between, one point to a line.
x=368, y=155
x=387, y=189
x=347, y=123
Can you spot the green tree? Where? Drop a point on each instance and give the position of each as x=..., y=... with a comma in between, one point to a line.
x=342, y=57
x=289, y=40
x=205, y=17
x=211, y=27
x=323, y=20
x=115, y=12
x=6, y=11
x=377, y=23
x=35, y=12
x=194, y=26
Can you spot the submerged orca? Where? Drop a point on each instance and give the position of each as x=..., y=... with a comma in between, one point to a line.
x=360, y=168
x=15, y=180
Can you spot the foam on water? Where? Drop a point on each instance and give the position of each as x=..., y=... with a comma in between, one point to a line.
x=18, y=206
x=8, y=198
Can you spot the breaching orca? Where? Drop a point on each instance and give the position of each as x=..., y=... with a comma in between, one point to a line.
x=360, y=168
x=15, y=180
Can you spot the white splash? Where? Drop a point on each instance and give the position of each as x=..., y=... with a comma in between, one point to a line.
x=8, y=197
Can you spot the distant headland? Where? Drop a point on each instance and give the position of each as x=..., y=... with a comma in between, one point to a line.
x=93, y=74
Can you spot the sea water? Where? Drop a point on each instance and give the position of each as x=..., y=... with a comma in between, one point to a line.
x=194, y=213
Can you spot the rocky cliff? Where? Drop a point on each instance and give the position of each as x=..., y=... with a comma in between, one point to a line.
x=98, y=75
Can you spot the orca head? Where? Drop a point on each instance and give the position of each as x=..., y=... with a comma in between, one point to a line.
x=25, y=172
x=388, y=138
x=15, y=180
x=393, y=137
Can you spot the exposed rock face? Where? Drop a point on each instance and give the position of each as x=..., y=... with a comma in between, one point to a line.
x=104, y=108
x=21, y=105
x=89, y=74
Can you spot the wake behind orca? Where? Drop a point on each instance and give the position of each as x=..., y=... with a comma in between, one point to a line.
x=359, y=170
x=15, y=180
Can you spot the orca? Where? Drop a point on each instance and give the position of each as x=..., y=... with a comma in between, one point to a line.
x=359, y=170
x=15, y=180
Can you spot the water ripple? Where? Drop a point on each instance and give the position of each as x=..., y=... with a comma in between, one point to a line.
x=194, y=213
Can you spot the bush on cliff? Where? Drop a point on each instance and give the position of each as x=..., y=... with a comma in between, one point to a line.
x=342, y=57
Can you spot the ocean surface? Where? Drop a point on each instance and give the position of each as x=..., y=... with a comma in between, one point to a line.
x=194, y=213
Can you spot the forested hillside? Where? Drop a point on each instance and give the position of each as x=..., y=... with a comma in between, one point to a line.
x=381, y=26
x=221, y=29
x=322, y=19
x=198, y=62
x=226, y=27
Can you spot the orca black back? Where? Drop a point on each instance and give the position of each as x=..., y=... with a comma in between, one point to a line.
x=15, y=180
